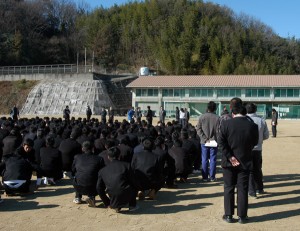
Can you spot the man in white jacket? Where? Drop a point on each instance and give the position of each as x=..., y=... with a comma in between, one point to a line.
x=256, y=175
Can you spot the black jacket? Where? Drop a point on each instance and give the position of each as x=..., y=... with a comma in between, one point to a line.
x=117, y=180
x=147, y=170
x=238, y=137
x=86, y=167
x=69, y=148
x=51, y=162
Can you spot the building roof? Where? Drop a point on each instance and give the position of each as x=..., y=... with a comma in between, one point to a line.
x=174, y=81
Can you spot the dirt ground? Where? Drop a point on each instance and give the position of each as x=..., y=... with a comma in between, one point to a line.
x=193, y=206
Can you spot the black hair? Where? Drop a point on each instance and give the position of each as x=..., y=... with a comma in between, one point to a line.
x=211, y=106
x=251, y=108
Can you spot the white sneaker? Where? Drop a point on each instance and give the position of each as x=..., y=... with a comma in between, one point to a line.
x=45, y=181
x=77, y=201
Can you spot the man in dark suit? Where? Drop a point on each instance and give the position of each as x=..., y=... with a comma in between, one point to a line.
x=116, y=179
x=238, y=136
x=149, y=115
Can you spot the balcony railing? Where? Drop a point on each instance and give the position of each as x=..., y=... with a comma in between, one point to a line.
x=45, y=69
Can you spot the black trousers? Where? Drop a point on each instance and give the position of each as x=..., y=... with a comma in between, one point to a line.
x=239, y=178
x=80, y=190
x=256, y=175
x=274, y=130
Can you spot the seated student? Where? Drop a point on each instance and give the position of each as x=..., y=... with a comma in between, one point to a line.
x=181, y=157
x=85, y=169
x=116, y=179
x=17, y=170
x=146, y=166
x=50, y=162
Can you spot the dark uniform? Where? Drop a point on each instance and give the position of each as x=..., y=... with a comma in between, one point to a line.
x=116, y=180
x=85, y=169
x=15, y=168
x=237, y=139
x=51, y=162
x=69, y=148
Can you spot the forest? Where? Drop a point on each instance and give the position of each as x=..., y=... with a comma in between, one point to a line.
x=173, y=37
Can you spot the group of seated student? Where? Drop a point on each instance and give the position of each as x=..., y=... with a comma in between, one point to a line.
x=119, y=161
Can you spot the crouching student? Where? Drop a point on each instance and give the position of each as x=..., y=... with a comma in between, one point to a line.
x=85, y=169
x=51, y=162
x=17, y=170
x=116, y=179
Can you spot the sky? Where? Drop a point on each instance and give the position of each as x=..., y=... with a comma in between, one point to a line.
x=282, y=16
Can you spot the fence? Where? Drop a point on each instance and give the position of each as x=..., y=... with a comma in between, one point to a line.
x=45, y=69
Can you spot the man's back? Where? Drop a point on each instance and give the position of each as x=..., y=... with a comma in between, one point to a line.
x=69, y=148
x=238, y=137
x=86, y=167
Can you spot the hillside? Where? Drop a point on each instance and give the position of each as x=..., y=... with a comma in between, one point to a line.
x=172, y=37
x=14, y=92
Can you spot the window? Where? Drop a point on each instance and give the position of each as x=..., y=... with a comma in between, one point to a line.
x=138, y=92
x=229, y=92
x=199, y=92
x=261, y=92
x=287, y=93
x=168, y=92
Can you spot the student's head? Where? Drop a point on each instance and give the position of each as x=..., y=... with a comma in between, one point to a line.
x=113, y=153
x=148, y=144
x=28, y=145
x=86, y=147
x=50, y=141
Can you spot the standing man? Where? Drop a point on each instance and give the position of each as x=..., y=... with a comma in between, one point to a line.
x=274, y=122
x=177, y=112
x=238, y=136
x=103, y=115
x=130, y=114
x=256, y=185
x=66, y=114
x=187, y=116
x=111, y=114
x=15, y=113
x=149, y=115
x=206, y=129
x=138, y=114
x=88, y=113
x=162, y=114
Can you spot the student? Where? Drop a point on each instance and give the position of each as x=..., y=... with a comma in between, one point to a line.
x=116, y=180
x=85, y=170
x=17, y=170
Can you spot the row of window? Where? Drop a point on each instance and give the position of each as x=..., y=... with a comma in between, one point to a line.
x=202, y=92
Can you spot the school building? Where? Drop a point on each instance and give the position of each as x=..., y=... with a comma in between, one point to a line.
x=281, y=92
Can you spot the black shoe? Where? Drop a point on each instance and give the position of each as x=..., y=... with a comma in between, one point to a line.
x=243, y=220
x=171, y=186
x=227, y=218
x=253, y=195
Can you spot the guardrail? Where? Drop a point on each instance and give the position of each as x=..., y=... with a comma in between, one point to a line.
x=45, y=69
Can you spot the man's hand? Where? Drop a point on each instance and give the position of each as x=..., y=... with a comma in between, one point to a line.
x=234, y=161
